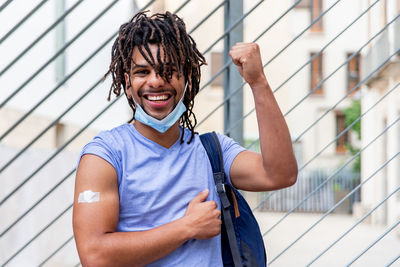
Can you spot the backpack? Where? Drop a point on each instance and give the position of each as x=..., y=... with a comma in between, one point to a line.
x=241, y=240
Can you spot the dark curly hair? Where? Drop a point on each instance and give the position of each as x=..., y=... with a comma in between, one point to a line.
x=168, y=31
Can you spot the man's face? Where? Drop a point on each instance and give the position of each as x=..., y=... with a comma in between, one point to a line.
x=152, y=92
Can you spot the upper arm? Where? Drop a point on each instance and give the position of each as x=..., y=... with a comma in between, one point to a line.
x=91, y=220
x=248, y=173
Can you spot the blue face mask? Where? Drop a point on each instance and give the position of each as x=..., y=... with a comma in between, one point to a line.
x=164, y=124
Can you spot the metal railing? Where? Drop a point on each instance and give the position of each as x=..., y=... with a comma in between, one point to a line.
x=285, y=200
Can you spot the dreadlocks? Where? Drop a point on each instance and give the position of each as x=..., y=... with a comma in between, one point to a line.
x=168, y=31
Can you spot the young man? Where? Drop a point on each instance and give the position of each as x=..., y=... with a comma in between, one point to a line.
x=144, y=192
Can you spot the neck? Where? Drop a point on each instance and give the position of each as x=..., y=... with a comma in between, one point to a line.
x=166, y=139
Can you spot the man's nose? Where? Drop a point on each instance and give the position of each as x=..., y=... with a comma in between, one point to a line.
x=155, y=80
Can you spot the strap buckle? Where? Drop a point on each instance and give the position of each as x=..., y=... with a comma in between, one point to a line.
x=220, y=188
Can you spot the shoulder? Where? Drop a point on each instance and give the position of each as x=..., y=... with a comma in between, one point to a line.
x=117, y=133
x=230, y=150
x=228, y=144
x=109, y=145
x=114, y=137
x=114, y=141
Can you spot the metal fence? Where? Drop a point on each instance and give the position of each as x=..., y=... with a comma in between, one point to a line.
x=327, y=196
x=31, y=220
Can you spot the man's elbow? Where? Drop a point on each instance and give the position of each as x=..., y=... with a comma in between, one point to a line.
x=92, y=255
x=90, y=260
x=294, y=171
x=292, y=180
x=289, y=178
x=282, y=180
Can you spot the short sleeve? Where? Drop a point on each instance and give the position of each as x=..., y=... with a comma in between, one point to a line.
x=104, y=146
x=230, y=149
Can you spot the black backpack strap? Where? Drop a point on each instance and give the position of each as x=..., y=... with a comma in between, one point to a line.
x=213, y=148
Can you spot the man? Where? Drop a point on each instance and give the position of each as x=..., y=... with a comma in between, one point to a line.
x=144, y=192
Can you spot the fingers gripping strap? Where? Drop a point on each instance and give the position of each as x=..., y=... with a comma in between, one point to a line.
x=213, y=148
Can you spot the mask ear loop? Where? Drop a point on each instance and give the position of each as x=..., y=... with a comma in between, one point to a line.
x=130, y=99
x=184, y=91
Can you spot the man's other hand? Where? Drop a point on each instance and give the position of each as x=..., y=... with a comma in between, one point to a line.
x=203, y=217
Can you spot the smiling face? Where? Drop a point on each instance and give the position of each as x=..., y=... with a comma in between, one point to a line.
x=153, y=93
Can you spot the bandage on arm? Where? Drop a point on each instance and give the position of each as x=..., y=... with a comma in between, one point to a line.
x=89, y=196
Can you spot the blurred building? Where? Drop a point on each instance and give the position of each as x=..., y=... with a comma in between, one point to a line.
x=387, y=113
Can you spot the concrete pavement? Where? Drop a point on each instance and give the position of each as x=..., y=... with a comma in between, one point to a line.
x=322, y=235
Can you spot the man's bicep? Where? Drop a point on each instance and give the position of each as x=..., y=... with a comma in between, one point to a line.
x=96, y=201
x=247, y=172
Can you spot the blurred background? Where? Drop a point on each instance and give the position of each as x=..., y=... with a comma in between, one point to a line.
x=334, y=68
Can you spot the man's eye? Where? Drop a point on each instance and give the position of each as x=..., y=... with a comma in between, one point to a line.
x=141, y=72
x=171, y=69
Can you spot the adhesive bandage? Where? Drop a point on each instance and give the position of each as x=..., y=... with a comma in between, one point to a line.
x=89, y=196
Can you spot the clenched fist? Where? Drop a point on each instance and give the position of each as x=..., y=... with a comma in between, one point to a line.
x=203, y=217
x=247, y=57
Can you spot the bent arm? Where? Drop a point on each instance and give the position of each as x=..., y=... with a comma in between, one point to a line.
x=276, y=166
x=95, y=223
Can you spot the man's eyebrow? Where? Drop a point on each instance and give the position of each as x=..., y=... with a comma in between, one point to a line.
x=137, y=66
x=140, y=66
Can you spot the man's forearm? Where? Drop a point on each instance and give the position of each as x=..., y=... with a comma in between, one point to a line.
x=134, y=248
x=275, y=141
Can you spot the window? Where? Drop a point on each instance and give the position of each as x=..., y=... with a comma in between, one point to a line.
x=340, y=126
x=316, y=10
x=315, y=7
x=316, y=73
x=353, y=72
x=216, y=65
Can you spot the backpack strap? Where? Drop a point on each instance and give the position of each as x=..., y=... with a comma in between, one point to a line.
x=213, y=148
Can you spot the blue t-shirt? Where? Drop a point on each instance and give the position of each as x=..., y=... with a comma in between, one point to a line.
x=156, y=184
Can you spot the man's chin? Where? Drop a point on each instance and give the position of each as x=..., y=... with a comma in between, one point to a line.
x=158, y=115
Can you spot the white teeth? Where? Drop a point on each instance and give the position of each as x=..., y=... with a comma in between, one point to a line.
x=157, y=98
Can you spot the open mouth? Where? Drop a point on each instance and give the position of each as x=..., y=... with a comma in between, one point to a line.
x=157, y=98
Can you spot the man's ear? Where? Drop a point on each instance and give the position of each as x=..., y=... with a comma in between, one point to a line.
x=127, y=85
